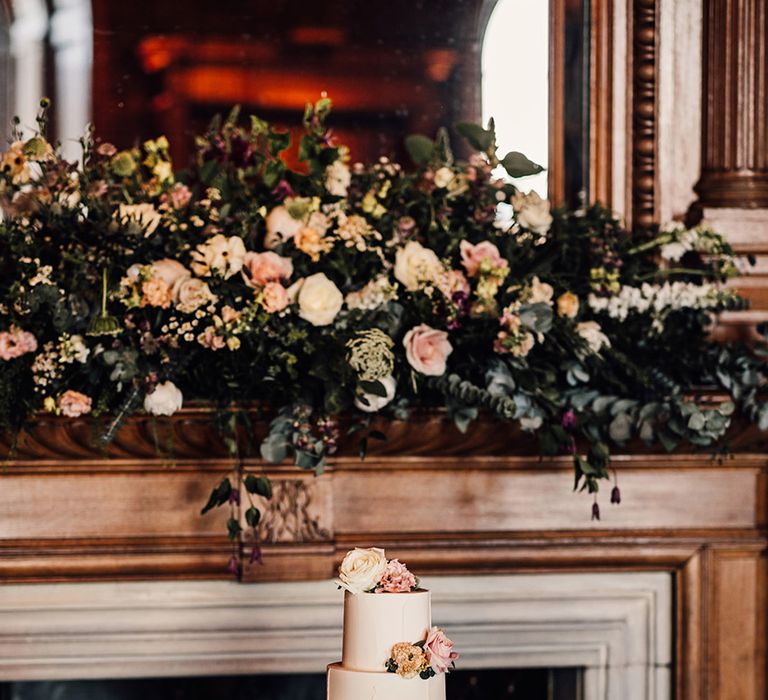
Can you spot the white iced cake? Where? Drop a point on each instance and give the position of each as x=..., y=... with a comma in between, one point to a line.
x=391, y=651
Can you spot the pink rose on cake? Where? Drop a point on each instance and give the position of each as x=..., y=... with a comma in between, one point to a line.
x=362, y=569
x=439, y=650
x=397, y=579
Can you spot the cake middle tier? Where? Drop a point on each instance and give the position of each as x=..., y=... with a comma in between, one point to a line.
x=375, y=622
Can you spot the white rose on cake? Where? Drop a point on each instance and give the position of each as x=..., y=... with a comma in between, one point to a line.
x=362, y=569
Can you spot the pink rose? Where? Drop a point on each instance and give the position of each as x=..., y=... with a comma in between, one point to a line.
x=261, y=268
x=439, y=650
x=210, y=339
x=275, y=297
x=473, y=255
x=427, y=350
x=73, y=404
x=15, y=343
x=396, y=579
x=180, y=196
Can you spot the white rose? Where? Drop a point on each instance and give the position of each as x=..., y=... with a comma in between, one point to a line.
x=145, y=215
x=319, y=300
x=673, y=251
x=540, y=292
x=415, y=264
x=593, y=334
x=362, y=569
x=532, y=212
x=192, y=293
x=170, y=271
x=370, y=403
x=443, y=177
x=165, y=400
x=337, y=179
x=219, y=254
x=281, y=226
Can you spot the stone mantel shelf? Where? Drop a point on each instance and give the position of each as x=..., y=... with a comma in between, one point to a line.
x=447, y=503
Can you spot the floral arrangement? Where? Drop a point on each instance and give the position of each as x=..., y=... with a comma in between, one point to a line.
x=369, y=571
x=424, y=659
x=340, y=288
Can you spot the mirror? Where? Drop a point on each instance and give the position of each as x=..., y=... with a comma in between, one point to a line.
x=144, y=68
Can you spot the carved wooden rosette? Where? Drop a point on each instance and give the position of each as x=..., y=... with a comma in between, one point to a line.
x=644, y=111
x=735, y=125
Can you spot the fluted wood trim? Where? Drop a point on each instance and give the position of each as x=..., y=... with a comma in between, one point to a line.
x=735, y=126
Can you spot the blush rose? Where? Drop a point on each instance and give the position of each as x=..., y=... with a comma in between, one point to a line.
x=427, y=350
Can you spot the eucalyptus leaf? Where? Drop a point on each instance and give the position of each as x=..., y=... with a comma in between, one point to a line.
x=420, y=148
x=518, y=165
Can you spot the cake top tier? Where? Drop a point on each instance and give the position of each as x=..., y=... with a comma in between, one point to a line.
x=369, y=571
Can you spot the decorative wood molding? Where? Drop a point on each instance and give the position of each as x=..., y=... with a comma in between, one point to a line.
x=735, y=129
x=645, y=72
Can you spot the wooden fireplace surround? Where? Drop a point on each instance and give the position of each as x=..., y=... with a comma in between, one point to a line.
x=447, y=503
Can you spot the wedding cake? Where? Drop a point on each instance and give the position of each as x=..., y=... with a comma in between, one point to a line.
x=391, y=651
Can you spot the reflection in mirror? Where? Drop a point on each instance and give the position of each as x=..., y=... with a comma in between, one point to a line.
x=153, y=67
x=515, y=74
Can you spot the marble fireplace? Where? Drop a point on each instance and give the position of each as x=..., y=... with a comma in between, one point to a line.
x=615, y=627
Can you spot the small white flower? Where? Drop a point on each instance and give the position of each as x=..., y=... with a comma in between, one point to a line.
x=165, y=400
x=532, y=212
x=220, y=255
x=593, y=334
x=337, y=179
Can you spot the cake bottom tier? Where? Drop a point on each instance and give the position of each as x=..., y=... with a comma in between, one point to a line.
x=344, y=684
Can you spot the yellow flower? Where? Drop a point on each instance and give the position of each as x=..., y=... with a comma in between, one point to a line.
x=312, y=242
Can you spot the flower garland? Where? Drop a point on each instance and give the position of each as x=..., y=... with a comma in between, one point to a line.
x=344, y=288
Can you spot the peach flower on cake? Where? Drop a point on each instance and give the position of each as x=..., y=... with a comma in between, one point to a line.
x=427, y=350
x=396, y=579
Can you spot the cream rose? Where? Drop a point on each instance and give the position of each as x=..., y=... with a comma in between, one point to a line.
x=362, y=569
x=165, y=400
x=427, y=350
x=319, y=300
x=532, y=212
x=192, y=293
x=370, y=403
x=337, y=179
x=281, y=226
x=443, y=177
x=593, y=334
x=415, y=264
x=168, y=270
x=568, y=305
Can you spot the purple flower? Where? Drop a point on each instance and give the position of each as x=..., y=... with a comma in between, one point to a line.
x=256, y=555
x=233, y=566
x=615, y=495
x=595, y=511
x=283, y=189
x=234, y=497
x=568, y=421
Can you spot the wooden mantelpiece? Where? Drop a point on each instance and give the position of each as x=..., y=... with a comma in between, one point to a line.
x=446, y=503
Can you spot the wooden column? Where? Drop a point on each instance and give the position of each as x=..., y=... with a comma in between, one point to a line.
x=735, y=127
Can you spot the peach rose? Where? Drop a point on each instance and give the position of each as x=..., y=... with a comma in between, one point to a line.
x=168, y=270
x=439, y=650
x=568, y=305
x=73, y=404
x=275, y=297
x=261, y=268
x=155, y=292
x=427, y=350
x=472, y=256
x=15, y=343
